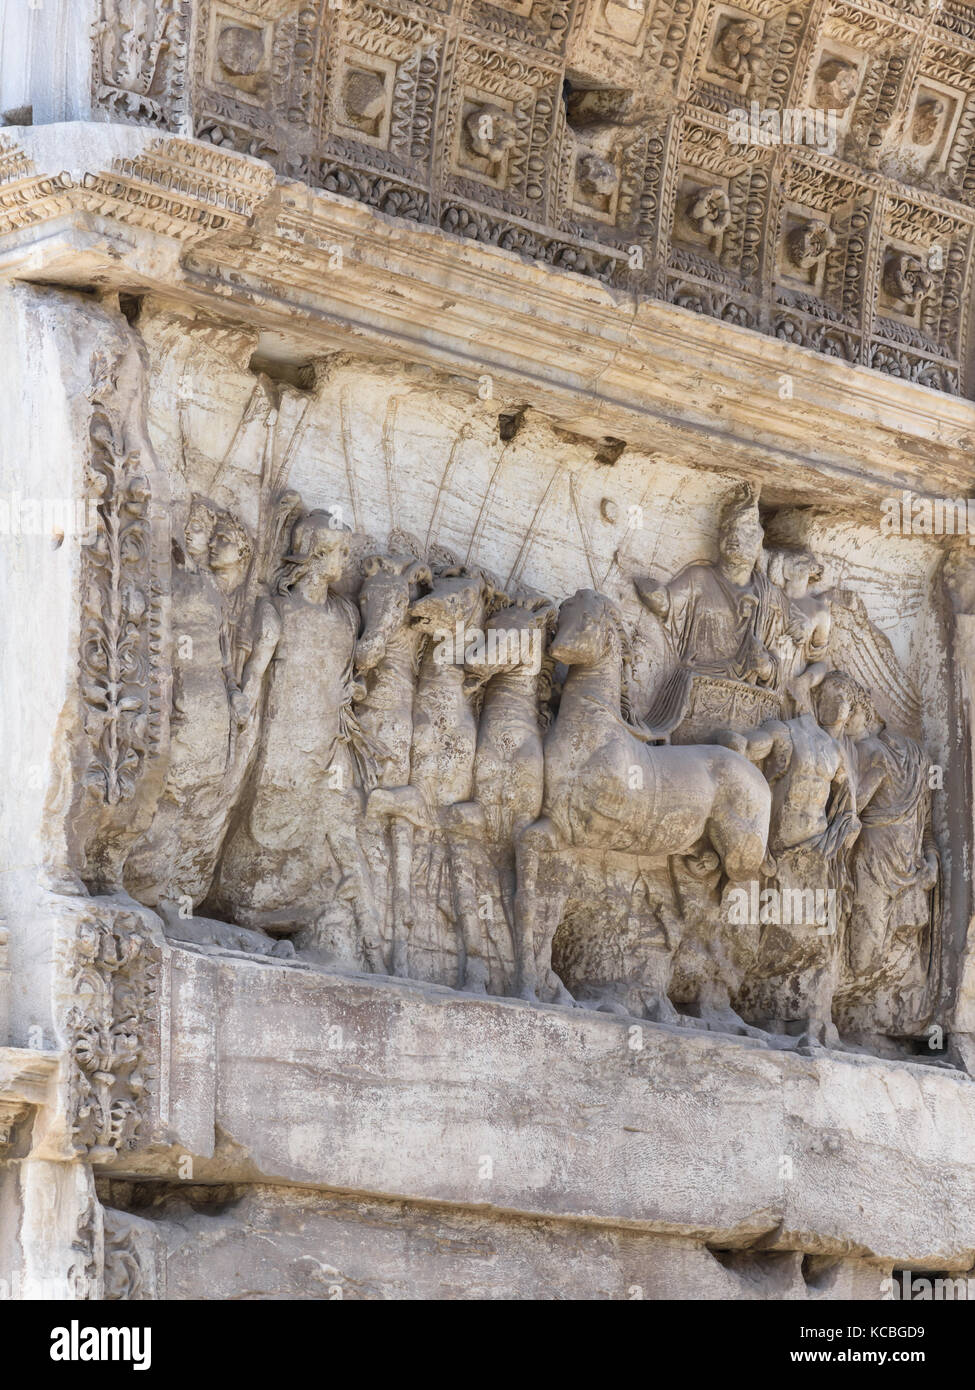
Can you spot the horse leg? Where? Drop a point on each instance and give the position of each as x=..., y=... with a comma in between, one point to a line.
x=356, y=886
x=474, y=974
x=713, y=1011
x=407, y=803
x=528, y=845
x=554, y=986
x=739, y=821
x=401, y=838
x=740, y=846
x=550, y=902
x=815, y=987
x=540, y=895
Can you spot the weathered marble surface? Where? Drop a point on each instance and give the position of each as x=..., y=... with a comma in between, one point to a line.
x=258, y=1242
x=595, y=137
x=293, y=1075
x=318, y=403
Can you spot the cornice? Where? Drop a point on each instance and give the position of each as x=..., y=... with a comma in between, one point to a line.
x=123, y=210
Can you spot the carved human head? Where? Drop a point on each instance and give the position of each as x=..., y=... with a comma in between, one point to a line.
x=230, y=546
x=199, y=528
x=794, y=570
x=864, y=719
x=319, y=551
x=835, y=698
x=740, y=534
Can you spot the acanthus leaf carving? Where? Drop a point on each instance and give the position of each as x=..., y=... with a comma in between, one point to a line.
x=109, y=967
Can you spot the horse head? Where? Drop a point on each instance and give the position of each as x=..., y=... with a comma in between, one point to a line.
x=590, y=627
x=459, y=595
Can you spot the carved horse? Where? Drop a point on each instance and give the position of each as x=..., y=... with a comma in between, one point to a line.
x=508, y=761
x=606, y=788
x=386, y=656
x=442, y=752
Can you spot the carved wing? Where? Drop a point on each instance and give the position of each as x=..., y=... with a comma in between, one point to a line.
x=864, y=652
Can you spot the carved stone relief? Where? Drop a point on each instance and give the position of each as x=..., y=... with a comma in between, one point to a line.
x=139, y=60
x=125, y=676
x=468, y=667
x=388, y=758
x=109, y=965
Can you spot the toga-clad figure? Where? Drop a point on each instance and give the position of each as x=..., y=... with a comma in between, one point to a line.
x=723, y=619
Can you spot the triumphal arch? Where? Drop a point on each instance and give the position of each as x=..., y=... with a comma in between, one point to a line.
x=487, y=610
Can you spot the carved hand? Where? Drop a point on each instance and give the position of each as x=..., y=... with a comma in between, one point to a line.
x=241, y=707
x=929, y=875
x=761, y=661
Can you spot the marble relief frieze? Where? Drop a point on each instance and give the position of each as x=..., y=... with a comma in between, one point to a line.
x=698, y=790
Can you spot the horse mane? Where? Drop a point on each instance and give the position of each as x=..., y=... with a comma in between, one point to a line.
x=626, y=655
x=495, y=598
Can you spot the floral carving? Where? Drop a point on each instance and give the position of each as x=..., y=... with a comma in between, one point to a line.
x=738, y=48
x=138, y=59
x=490, y=132
x=926, y=120
x=597, y=175
x=710, y=211
x=836, y=84
x=808, y=243
x=110, y=978
x=906, y=279
x=114, y=649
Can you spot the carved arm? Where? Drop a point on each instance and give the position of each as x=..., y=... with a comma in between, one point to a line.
x=268, y=623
